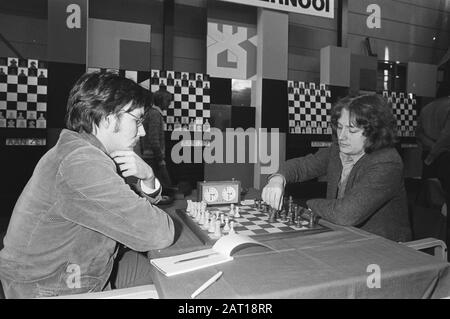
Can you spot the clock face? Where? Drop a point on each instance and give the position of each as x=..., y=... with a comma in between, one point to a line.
x=210, y=194
x=229, y=193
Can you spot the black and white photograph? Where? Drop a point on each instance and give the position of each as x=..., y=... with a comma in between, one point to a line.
x=224, y=155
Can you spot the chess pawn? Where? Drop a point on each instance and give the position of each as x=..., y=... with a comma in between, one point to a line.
x=231, y=231
x=222, y=219
x=308, y=129
x=236, y=213
x=226, y=228
x=198, y=215
x=231, y=212
x=206, y=126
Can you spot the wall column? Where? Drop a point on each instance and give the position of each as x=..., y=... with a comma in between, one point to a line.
x=270, y=93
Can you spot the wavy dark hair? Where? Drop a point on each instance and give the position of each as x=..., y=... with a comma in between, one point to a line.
x=374, y=115
x=99, y=94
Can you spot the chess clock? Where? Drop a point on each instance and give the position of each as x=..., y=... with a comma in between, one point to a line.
x=219, y=192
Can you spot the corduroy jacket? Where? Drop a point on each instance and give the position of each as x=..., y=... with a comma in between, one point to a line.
x=63, y=233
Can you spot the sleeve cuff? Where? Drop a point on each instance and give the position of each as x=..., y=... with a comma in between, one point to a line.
x=149, y=191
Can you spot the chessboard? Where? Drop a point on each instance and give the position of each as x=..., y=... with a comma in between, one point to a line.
x=23, y=93
x=405, y=112
x=309, y=107
x=249, y=221
x=191, y=98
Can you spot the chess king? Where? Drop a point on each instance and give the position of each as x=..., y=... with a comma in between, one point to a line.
x=364, y=171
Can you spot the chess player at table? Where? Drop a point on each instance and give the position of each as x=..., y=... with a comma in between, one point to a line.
x=364, y=171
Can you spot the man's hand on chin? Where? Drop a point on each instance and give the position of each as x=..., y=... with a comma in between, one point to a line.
x=131, y=164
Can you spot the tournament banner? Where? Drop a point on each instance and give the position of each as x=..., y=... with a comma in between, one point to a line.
x=321, y=8
x=67, y=30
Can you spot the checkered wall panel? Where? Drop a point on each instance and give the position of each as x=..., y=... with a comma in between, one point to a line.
x=309, y=107
x=23, y=93
x=404, y=107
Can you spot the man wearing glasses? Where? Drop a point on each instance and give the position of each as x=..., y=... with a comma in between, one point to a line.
x=363, y=169
x=65, y=228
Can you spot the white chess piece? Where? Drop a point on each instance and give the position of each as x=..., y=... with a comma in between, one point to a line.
x=226, y=228
x=232, y=231
x=198, y=215
x=231, y=212
x=202, y=218
x=206, y=222
x=236, y=214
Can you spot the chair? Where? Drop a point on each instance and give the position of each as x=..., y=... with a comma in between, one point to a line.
x=139, y=292
x=440, y=248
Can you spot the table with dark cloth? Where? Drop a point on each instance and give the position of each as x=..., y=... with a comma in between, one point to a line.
x=335, y=264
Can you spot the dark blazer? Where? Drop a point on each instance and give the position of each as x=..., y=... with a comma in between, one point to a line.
x=374, y=198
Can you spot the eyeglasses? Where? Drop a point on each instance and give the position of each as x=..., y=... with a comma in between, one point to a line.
x=139, y=120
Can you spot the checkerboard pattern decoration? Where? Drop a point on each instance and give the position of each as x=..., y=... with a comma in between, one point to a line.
x=404, y=107
x=190, y=108
x=23, y=93
x=309, y=107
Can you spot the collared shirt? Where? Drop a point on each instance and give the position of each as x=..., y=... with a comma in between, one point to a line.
x=348, y=161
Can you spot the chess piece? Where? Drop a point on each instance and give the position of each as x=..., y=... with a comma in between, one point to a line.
x=312, y=219
x=283, y=216
x=272, y=215
x=198, y=216
x=236, y=212
x=231, y=212
x=226, y=228
x=202, y=218
x=206, y=126
x=206, y=222
x=231, y=231
x=177, y=125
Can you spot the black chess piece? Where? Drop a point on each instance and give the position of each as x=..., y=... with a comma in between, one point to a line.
x=272, y=215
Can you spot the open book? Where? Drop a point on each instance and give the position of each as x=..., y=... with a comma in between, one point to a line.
x=221, y=252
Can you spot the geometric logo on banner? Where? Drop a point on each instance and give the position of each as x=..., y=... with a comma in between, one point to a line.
x=231, y=51
x=23, y=93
